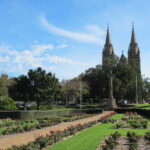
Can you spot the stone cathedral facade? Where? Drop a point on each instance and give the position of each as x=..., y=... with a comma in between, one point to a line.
x=133, y=52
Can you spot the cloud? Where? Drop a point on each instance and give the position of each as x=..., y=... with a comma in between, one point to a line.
x=38, y=49
x=4, y=59
x=58, y=59
x=89, y=37
x=15, y=61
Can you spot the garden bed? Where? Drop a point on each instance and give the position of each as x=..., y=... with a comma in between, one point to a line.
x=126, y=142
x=93, y=137
x=9, y=126
x=55, y=136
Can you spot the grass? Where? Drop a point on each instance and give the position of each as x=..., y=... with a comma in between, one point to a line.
x=145, y=106
x=117, y=117
x=90, y=138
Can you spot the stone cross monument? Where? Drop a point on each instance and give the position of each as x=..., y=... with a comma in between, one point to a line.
x=111, y=100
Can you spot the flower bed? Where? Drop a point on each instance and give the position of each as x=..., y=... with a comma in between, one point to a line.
x=132, y=120
x=9, y=126
x=132, y=141
x=129, y=120
x=55, y=136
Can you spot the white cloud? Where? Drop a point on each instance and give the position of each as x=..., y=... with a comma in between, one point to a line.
x=89, y=37
x=95, y=30
x=58, y=59
x=61, y=46
x=38, y=49
x=37, y=56
x=4, y=58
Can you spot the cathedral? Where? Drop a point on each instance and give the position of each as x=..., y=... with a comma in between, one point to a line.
x=133, y=52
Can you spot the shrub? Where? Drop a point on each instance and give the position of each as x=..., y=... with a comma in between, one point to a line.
x=119, y=125
x=144, y=124
x=6, y=103
x=116, y=135
x=133, y=139
x=147, y=135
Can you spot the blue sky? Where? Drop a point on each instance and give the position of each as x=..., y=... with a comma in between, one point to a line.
x=66, y=37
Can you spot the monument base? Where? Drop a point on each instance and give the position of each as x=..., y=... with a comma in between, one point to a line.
x=112, y=104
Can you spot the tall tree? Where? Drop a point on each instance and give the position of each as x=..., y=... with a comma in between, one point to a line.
x=20, y=89
x=44, y=86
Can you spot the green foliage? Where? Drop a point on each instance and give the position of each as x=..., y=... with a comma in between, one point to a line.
x=111, y=142
x=6, y=103
x=71, y=89
x=147, y=136
x=124, y=81
x=44, y=86
x=37, y=86
x=133, y=139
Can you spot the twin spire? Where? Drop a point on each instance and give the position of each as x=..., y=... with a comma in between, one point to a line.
x=108, y=39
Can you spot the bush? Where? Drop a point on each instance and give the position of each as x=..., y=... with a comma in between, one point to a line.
x=116, y=135
x=6, y=103
x=133, y=139
x=147, y=136
x=119, y=125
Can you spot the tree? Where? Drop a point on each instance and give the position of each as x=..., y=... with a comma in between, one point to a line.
x=72, y=91
x=5, y=82
x=20, y=89
x=6, y=103
x=44, y=86
x=98, y=81
x=146, y=89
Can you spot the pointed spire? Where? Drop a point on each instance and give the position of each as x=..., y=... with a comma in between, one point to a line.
x=122, y=54
x=108, y=40
x=123, y=58
x=133, y=38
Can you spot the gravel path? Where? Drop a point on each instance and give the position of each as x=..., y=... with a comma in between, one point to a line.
x=24, y=138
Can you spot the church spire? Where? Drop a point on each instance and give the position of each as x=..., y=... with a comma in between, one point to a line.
x=108, y=40
x=123, y=58
x=108, y=51
x=133, y=38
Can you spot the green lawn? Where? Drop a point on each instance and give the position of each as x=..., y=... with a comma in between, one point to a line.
x=144, y=106
x=90, y=138
x=117, y=117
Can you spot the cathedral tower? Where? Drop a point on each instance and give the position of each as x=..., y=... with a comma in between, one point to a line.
x=134, y=54
x=108, y=51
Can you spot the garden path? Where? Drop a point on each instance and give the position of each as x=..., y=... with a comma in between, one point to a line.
x=26, y=137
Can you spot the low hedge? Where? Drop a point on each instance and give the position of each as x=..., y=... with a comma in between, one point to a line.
x=144, y=112
x=33, y=114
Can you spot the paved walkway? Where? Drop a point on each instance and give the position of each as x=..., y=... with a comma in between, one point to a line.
x=26, y=137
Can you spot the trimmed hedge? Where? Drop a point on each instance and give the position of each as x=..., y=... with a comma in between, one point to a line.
x=26, y=115
x=144, y=112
